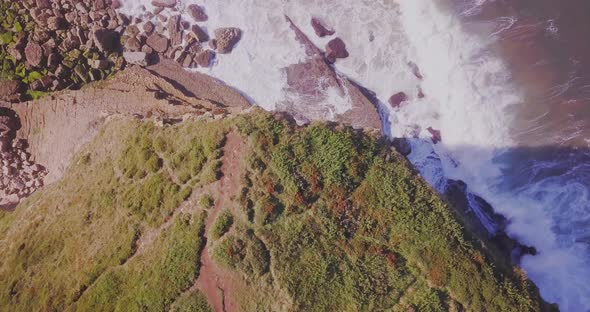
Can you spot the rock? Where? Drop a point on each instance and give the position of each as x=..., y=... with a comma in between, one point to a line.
x=99, y=64
x=335, y=49
x=158, y=42
x=136, y=58
x=147, y=49
x=402, y=146
x=148, y=27
x=197, y=12
x=213, y=44
x=436, y=135
x=106, y=40
x=34, y=54
x=174, y=32
x=420, y=94
x=397, y=99
x=227, y=38
x=43, y=4
x=415, y=70
x=10, y=91
x=205, y=58
x=198, y=33
x=132, y=44
x=320, y=29
x=53, y=60
x=55, y=23
x=164, y=3
x=115, y=4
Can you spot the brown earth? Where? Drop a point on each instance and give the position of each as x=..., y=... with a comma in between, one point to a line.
x=220, y=286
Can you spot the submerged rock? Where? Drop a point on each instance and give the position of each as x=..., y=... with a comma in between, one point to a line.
x=436, y=135
x=397, y=99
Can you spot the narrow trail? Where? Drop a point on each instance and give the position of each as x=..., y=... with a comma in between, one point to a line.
x=216, y=283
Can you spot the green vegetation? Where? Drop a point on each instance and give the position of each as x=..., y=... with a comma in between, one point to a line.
x=328, y=219
x=191, y=302
x=206, y=201
x=223, y=223
x=79, y=238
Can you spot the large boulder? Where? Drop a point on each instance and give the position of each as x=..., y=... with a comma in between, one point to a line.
x=436, y=135
x=336, y=49
x=158, y=42
x=10, y=90
x=227, y=38
x=106, y=40
x=136, y=58
x=174, y=32
x=197, y=12
x=34, y=54
x=397, y=99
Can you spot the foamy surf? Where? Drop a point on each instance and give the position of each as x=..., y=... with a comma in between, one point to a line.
x=469, y=97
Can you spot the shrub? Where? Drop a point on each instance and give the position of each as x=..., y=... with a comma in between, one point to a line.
x=222, y=224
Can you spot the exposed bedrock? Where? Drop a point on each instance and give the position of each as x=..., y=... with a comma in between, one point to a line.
x=314, y=86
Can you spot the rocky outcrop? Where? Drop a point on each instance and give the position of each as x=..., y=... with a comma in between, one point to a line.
x=57, y=126
x=312, y=86
x=20, y=176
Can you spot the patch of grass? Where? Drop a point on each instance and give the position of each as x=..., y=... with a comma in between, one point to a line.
x=191, y=302
x=206, y=201
x=222, y=224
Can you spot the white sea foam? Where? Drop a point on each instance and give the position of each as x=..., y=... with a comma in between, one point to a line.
x=468, y=97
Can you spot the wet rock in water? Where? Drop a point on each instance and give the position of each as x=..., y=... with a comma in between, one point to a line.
x=227, y=38
x=436, y=135
x=420, y=94
x=106, y=40
x=198, y=33
x=336, y=49
x=34, y=54
x=320, y=29
x=397, y=99
x=10, y=90
x=402, y=146
x=197, y=12
x=204, y=58
x=136, y=58
x=158, y=42
x=164, y=3
x=415, y=70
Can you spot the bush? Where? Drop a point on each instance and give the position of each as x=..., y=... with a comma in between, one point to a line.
x=222, y=224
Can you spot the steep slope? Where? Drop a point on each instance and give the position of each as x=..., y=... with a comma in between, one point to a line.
x=280, y=217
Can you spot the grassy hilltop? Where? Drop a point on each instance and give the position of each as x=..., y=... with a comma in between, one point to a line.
x=324, y=219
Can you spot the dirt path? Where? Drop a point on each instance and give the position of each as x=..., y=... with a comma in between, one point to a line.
x=219, y=285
